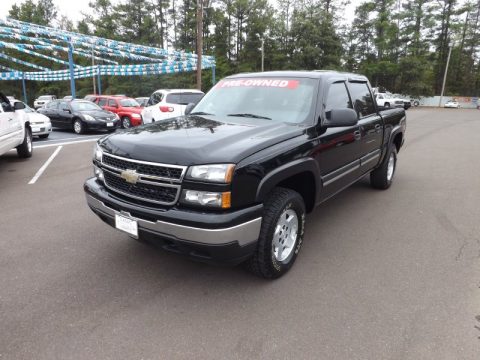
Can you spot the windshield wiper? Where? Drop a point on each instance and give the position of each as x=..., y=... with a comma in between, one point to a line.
x=200, y=113
x=250, y=116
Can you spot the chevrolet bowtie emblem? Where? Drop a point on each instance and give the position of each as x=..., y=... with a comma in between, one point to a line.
x=130, y=176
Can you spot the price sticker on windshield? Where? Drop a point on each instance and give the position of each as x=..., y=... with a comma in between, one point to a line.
x=270, y=83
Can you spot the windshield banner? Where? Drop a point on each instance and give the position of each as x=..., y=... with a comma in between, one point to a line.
x=276, y=83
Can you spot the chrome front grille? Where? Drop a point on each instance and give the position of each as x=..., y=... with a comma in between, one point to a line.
x=161, y=171
x=152, y=182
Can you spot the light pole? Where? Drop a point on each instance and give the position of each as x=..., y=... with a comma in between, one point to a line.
x=445, y=75
x=93, y=75
x=263, y=54
x=199, y=42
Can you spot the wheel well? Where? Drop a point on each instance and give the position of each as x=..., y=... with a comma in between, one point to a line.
x=304, y=184
x=397, y=140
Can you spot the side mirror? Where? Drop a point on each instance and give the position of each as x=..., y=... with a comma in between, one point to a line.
x=18, y=105
x=189, y=108
x=67, y=111
x=341, y=117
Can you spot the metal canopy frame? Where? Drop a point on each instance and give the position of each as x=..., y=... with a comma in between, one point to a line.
x=26, y=38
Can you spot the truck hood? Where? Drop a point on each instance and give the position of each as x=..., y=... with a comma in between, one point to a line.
x=189, y=140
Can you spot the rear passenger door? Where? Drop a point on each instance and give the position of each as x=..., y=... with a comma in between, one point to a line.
x=337, y=153
x=370, y=124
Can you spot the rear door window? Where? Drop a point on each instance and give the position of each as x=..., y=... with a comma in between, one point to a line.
x=155, y=98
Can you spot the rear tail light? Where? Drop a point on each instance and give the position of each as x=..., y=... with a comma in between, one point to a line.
x=166, y=109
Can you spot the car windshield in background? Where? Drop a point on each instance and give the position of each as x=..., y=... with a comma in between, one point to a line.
x=45, y=97
x=129, y=103
x=84, y=106
x=183, y=98
x=284, y=100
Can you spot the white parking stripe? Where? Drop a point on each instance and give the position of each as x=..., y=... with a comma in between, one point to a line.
x=72, y=138
x=44, y=166
x=65, y=143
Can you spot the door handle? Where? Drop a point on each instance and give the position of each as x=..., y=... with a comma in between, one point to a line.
x=10, y=119
x=378, y=128
x=357, y=134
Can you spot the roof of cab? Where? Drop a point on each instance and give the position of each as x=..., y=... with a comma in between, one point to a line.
x=314, y=74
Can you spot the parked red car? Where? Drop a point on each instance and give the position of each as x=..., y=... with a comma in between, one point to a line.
x=126, y=108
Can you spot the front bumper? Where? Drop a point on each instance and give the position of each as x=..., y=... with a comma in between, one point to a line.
x=219, y=238
x=102, y=125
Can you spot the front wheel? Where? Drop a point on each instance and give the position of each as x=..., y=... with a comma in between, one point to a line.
x=126, y=122
x=25, y=149
x=281, y=234
x=382, y=177
x=78, y=127
x=387, y=105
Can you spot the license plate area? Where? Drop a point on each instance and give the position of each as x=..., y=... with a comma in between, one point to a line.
x=126, y=224
x=109, y=124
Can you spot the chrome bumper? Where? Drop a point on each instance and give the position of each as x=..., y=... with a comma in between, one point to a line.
x=243, y=234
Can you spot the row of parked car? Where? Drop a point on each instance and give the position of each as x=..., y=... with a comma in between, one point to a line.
x=113, y=111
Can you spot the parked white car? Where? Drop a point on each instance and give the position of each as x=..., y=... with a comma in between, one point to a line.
x=15, y=132
x=40, y=124
x=165, y=104
x=452, y=104
x=387, y=100
x=43, y=100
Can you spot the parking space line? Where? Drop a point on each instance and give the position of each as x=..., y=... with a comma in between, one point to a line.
x=44, y=166
x=65, y=143
x=72, y=138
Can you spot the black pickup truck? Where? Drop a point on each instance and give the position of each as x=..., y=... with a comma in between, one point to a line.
x=232, y=181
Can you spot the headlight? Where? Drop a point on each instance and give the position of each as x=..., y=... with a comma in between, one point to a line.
x=97, y=153
x=88, y=117
x=116, y=117
x=207, y=198
x=221, y=173
x=137, y=116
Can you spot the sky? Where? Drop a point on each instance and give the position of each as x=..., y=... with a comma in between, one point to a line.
x=73, y=8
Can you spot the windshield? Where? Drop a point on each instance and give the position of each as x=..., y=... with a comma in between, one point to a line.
x=129, y=103
x=28, y=109
x=45, y=97
x=277, y=99
x=84, y=106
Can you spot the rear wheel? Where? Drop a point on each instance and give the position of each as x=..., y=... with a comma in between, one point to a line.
x=281, y=234
x=387, y=105
x=25, y=149
x=126, y=122
x=382, y=177
x=78, y=127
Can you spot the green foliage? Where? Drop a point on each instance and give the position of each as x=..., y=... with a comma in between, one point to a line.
x=401, y=46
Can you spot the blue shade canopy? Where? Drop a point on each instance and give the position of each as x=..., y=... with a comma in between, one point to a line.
x=28, y=38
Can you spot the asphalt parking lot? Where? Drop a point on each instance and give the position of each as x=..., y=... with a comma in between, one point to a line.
x=382, y=275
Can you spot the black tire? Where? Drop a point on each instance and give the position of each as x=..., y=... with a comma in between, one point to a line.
x=44, y=136
x=264, y=263
x=25, y=149
x=78, y=127
x=380, y=178
x=126, y=124
x=416, y=103
x=387, y=105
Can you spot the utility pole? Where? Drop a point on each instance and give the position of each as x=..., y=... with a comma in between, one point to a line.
x=199, y=42
x=263, y=53
x=93, y=76
x=445, y=75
